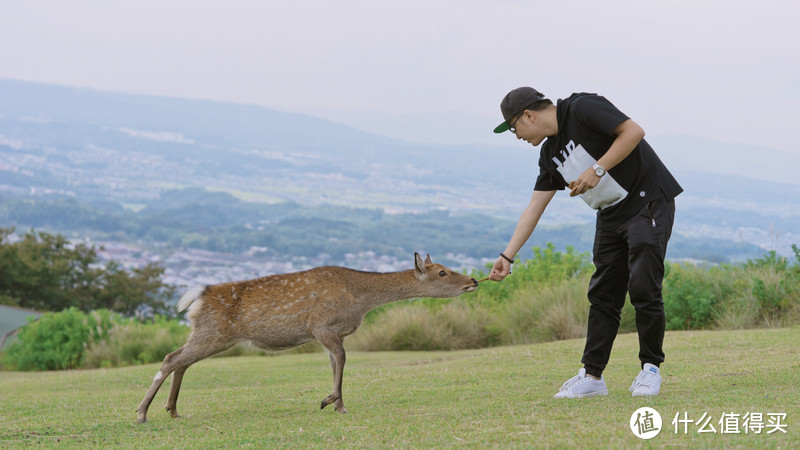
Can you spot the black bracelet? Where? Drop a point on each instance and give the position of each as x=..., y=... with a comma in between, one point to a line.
x=507, y=258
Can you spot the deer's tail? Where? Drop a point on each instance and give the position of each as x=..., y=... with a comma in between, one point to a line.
x=190, y=296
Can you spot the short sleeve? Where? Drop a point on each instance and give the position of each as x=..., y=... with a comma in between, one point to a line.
x=549, y=178
x=598, y=114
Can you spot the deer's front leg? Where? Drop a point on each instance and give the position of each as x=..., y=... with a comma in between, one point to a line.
x=336, y=350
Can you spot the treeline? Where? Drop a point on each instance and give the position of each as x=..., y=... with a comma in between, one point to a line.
x=46, y=272
x=196, y=218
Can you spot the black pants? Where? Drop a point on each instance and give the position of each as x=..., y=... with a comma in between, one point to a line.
x=629, y=259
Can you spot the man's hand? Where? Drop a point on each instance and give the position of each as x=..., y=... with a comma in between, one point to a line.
x=501, y=269
x=586, y=181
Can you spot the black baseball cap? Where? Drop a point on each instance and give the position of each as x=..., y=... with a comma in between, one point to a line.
x=515, y=102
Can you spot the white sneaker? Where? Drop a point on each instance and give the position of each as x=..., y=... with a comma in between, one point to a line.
x=648, y=382
x=582, y=386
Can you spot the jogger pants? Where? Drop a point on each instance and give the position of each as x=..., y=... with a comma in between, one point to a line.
x=629, y=258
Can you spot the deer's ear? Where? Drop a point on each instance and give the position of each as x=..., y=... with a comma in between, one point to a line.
x=419, y=266
x=428, y=259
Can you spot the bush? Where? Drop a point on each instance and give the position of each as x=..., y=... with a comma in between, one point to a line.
x=545, y=300
x=689, y=297
x=132, y=342
x=776, y=284
x=533, y=314
x=453, y=326
x=57, y=340
x=764, y=292
x=547, y=267
x=538, y=314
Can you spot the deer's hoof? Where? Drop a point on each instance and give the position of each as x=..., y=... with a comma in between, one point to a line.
x=329, y=399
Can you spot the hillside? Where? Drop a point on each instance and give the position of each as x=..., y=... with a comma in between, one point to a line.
x=129, y=148
x=111, y=167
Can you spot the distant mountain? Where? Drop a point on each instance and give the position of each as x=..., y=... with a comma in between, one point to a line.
x=224, y=146
x=696, y=154
x=127, y=150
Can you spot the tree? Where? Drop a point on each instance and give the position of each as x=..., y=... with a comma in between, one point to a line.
x=129, y=293
x=46, y=272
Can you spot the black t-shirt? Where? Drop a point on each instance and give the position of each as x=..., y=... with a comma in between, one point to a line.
x=586, y=124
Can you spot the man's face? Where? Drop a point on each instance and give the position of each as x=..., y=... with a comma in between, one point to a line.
x=527, y=128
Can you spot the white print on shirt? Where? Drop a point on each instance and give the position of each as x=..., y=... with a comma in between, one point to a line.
x=576, y=160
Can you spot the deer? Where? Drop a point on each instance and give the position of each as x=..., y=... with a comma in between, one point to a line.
x=282, y=311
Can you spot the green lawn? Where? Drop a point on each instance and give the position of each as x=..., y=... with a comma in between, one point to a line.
x=489, y=397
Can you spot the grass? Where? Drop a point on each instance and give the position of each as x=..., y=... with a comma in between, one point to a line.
x=479, y=398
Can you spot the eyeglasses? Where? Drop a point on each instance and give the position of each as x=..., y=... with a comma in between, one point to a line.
x=511, y=126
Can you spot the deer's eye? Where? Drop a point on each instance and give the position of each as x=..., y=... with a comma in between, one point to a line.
x=442, y=273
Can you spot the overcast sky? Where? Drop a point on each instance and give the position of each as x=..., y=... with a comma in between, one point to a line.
x=431, y=70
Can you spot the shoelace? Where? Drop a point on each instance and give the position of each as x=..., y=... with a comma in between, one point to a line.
x=568, y=384
x=645, y=379
x=577, y=379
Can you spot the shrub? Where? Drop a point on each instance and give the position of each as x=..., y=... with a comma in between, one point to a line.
x=452, y=326
x=547, y=267
x=689, y=297
x=133, y=342
x=57, y=340
x=776, y=283
x=533, y=314
x=738, y=312
x=538, y=314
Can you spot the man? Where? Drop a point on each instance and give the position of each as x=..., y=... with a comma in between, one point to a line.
x=599, y=154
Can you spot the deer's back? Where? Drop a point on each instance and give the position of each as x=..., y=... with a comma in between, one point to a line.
x=279, y=311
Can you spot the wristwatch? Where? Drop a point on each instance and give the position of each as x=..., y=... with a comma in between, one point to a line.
x=598, y=170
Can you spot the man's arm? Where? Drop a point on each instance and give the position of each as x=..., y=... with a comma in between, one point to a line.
x=527, y=223
x=629, y=134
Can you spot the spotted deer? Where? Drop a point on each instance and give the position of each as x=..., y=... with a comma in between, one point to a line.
x=278, y=312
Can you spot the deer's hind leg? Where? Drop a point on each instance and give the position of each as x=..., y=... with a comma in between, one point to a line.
x=174, y=388
x=169, y=364
x=333, y=343
x=176, y=363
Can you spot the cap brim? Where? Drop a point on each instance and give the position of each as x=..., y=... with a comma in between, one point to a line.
x=502, y=127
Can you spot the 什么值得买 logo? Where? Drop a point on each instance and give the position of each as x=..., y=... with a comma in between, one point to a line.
x=646, y=423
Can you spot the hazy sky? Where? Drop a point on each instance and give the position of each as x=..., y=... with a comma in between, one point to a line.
x=431, y=70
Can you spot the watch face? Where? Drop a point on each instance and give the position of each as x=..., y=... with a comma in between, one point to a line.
x=599, y=171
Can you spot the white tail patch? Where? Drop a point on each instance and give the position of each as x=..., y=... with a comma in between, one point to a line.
x=190, y=296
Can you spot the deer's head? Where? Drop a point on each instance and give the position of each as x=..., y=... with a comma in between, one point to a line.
x=440, y=281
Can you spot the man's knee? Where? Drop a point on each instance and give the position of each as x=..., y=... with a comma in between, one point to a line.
x=646, y=294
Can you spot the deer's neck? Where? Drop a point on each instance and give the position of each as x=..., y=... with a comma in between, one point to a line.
x=376, y=289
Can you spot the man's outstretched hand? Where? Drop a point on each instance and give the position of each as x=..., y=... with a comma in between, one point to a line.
x=500, y=270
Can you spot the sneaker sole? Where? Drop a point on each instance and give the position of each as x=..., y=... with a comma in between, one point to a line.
x=589, y=394
x=642, y=394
